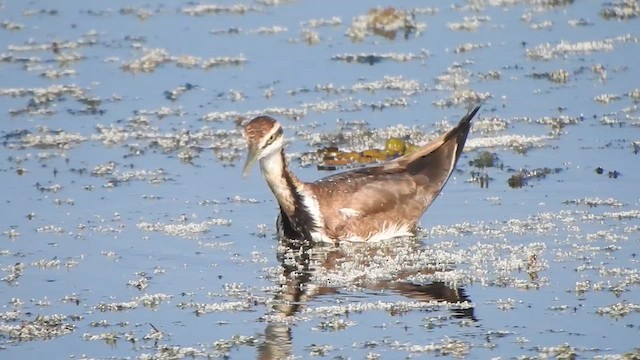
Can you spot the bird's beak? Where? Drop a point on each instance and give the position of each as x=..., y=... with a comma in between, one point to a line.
x=251, y=158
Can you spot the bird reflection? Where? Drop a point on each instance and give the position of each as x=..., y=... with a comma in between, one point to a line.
x=300, y=260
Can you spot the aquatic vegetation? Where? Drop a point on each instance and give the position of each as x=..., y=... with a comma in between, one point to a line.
x=548, y=51
x=469, y=23
x=387, y=22
x=43, y=327
x=206, y=9
x=523, y=177
x=558, y=76
x=464, y=48
x=485, y=159
x=154, y=58
x=374, y=58
x=621, y=10
x=187, y=230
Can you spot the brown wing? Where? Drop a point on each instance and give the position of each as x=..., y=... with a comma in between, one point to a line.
x=396, y=192
x=371, y=196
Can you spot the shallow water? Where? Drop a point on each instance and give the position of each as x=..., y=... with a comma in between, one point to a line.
x=128, y=231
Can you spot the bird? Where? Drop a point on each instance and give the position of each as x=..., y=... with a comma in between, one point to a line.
x=367, y=204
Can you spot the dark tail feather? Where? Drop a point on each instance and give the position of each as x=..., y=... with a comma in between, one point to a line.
x=438, y=164
x=463, y=126
x=462, y=130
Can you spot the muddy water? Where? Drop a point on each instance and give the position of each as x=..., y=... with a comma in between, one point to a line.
x=128, y=232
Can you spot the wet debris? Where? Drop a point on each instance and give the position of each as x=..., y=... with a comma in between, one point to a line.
x=408, y=87
x=558, y=122
x=53, y=188
x=544, y=25
x=320, y=350
x=58, y=73
x=242, y=200
x=231, y=95
x=107, y=168
x=43, y=327
x=151, y=301
x=564, y=351
x=518, y=143
x=471, y=23
x=333, y=158
x=291, y=113
x=334, y=324
x=359, y=138
x=481, y=178
x=153, y=58
x=528, y=18
x=270, y=30
x=187, y=156
x=391, y=307
x=264, y=30
x=13, y=273
x=611, y=174
x=388, y=102
x=35, y=12
x=557, y=76
x=465, y=48
x=205, y=308
x=595, y=201
x=117, y=177
x=618, y=310
x=51, y=229
x=185, y=230
x=612, y=120
x=11, y=234
x=139, y=12
x=110, y=338
x=56, y=47
x=207, y=9
x=486, y=159
x=463, y=98
x=505, y=304
x=174, y=94
x=218, y=349
x=489, y=75
x=455, y=77
x=374, y=58
x=385, y=22
x=11, y=26
x=522, y=177
x=621, y=10
x=483, y=160
x=580, y=22
x=141, y=283
x=446, y=347
x=315, y=23
x=548, y=51
x=42, y=99
x=307, y=36
x=50, y=264
x=607, y=98
x=631, y=214
x=489, y=125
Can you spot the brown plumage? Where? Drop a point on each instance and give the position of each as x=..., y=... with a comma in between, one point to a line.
x=372, y=203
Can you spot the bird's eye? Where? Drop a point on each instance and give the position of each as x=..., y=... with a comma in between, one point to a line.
x=271, y=139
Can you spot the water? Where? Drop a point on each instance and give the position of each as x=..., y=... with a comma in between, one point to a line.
x=128, y=231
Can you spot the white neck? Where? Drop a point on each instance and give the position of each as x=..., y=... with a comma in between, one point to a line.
x=274, y=169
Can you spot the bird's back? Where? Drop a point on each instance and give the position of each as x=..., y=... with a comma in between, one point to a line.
x=389, y=198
